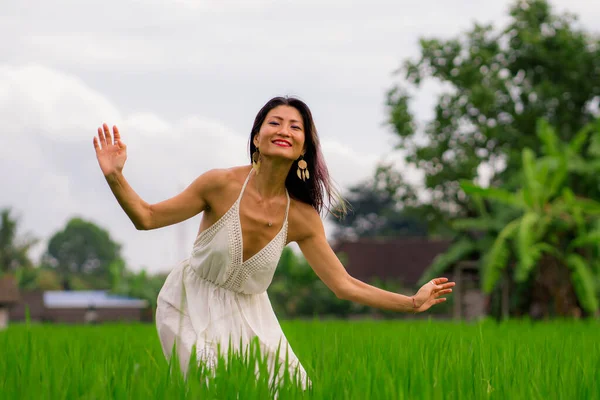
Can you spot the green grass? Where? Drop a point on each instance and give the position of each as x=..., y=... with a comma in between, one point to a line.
x=345, y=360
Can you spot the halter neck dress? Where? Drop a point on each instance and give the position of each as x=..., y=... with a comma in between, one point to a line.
x=216, y=297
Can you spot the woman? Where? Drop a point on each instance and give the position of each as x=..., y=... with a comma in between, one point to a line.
x=217, y=296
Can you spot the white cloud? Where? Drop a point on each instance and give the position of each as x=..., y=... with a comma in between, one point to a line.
x=54, y=173
x=63, y=104
x=346, y=165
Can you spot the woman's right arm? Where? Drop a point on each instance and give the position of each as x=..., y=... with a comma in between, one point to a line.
x=111, y=158
x=145, y=216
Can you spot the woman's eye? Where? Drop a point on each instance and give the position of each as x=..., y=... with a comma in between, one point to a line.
x=296, y=127
x=273, y=123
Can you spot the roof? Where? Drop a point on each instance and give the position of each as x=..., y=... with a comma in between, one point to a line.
x=9, y=290
x=405, y=259
x=89, y=298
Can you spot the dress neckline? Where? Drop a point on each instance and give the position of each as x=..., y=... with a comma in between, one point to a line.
x=239, y=223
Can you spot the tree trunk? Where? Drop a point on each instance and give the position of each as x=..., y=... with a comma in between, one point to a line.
x=552, y=291
x=3, y=317
x=506, y=296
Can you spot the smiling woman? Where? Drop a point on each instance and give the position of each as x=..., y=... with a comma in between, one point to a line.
x=215, y=299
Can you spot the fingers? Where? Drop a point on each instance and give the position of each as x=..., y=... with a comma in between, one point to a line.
x=441, y=292
x=442, y=283
x=430, y=303
x=101, y=138
x=107, y=134
x=105, y=138
x=439, y=300
x=441, y=287
x=116, y=134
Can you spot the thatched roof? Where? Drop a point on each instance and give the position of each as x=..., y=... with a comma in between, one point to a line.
x=9, y=291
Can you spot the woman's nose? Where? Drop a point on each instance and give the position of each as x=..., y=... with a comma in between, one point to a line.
x=284, y=131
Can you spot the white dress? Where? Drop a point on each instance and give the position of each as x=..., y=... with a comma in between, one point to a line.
x=215, y=296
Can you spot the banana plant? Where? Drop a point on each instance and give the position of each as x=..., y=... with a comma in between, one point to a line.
x=542, y=218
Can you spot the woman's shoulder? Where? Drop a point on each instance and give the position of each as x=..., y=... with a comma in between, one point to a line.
x=303, y=220
x=223, y=178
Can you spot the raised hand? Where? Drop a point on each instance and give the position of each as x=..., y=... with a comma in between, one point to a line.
x=111, y=154
x=430, y=293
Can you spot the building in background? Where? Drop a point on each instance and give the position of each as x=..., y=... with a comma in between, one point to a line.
x=81, y=306
x=9, y=296
x=402, y=259
x=405, y=259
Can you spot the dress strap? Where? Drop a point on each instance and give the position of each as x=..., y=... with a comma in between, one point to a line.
x=287, y=209
x=244, y=186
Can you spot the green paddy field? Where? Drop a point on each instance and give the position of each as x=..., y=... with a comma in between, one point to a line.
x=345, y=360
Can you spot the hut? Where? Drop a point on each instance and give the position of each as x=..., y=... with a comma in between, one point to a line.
x=9, y=296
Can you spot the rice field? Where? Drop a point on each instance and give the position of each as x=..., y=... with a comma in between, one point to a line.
x=345, y=360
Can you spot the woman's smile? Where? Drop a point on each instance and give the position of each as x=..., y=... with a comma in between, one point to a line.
x=282, y=143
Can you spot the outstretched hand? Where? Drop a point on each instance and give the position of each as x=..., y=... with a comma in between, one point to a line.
x=111, y=153
x=430, y=293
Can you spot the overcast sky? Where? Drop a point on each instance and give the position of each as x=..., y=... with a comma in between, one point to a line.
x=183, y=79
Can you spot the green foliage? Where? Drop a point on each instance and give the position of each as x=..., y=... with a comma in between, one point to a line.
x=27, y=278
x=14, y=250
x=46, y=279
x=553, y=221
x=374, y=209
x=517, y=227
x=441, y=263
x=525, y=244
x=85, y=249
x=296, y=291
x=139, y=285
x=592, y=238
x=498, y=83
x=495, y=261
x=80, y=257
x=495, y=194
x=583, y=280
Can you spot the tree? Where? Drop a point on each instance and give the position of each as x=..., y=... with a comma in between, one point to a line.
x=499, y=82
x=83, y=249
x=375, y=210
x=14, y=251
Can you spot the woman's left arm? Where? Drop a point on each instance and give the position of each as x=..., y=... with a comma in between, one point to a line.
x=329, y=269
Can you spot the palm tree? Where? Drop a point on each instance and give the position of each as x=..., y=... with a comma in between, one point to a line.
x=13, y=251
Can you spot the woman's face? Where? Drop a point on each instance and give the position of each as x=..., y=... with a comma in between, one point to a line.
x=281, y=134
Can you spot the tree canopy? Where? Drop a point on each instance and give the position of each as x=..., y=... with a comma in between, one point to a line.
x=375, y=209
x=497, y=84
x=83, y=248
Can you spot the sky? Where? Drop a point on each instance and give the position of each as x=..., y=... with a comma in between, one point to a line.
x=183, y=81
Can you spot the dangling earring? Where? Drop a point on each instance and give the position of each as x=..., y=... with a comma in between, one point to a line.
x=256, y=160
x=302, y=171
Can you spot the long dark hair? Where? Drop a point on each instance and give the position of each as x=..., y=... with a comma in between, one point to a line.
x=318, y=190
